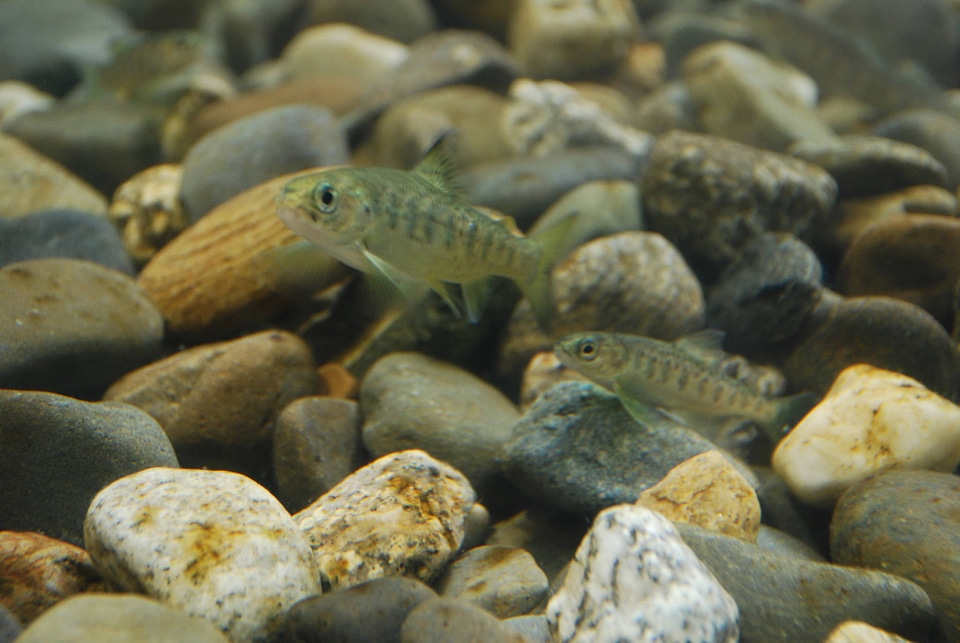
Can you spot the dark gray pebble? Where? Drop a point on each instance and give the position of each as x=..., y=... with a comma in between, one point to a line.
x=9, y=626
x=934, y=131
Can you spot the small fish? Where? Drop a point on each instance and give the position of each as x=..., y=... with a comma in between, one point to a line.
x=646, y=373
x=414, y=228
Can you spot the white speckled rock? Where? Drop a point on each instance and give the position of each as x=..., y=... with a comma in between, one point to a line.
x=871, y=420
x=634, y=579
x=213, y=544
x=401, y=515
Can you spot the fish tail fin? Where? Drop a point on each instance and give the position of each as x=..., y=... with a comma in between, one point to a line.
x=789, y=411
x=555, y=243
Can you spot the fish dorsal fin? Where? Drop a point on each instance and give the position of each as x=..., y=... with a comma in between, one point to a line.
x=500, y=219
x=437, y=167
x=706, y=345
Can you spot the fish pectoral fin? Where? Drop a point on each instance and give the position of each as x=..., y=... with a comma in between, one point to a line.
x=410, y=288
x=443, y=289
x=646, y=414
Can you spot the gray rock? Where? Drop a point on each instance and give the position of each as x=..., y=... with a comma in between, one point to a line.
x=783, y=598
x=370, y=611
x=10, y=627
x=257, y=148
x=550, y=537
x=905, y=523
x=403, y=20
x=448, y=620
x=505, y=581
x=63, y=233
x=668, y=107
x=937, y=133
x=577, y=449
x=119, y=618
x=780, y=542
x=72, y=326
x=533, y=626
x=56, y=453
x=682, y=31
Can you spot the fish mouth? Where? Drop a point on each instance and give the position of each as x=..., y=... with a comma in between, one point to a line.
x=562, y=349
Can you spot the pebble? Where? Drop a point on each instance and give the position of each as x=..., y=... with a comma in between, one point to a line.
x=401, y=515
x=38, y=572
x=17, y=98
x=409, y=400
x=532, y=626
x=505, y=581
x=119, y=618
x=667, y=108
x=905, y=523
x=10, y=627
x=449, y=620
x=681, y=32
x=58, y=452
x=402, y=20
x=936, y=132
x=633, y=578
x=287, y=139
x=578, y=450
x=550, y=537
x=371, y=611
x=148, y=212
x=73, y=327
x=340, y=49
x=212, y=544
x=780, y=542
x=711, y=196
x=784, y=598
x=218, y=403
x=859, y=632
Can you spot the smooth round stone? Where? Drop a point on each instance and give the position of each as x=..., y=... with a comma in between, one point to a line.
x=915, y=258
x=578, y=450
x=864, y=165
x=72, y=327
x=859, y=632
x=341, y=49
x=505, y=581
x=711, y=196
x=402, y=515
x=447, y=620
x=633, y=578
x=39, y=571
x=213, y=544
x=56, y=453
x=887, y=333
x=934, y=131
x=401, y=20
x=69, y=234
x=668, y=107
x=551, y=537
x=316, y=444
x=780, y=542
x=371, y=611
x=767, y=295
x=286, y=139
x=10, y=627
x=409, y=400
x=218, y=403
x=533, y=626
x=31, y=181
x=119, y=618
x=148, y=212
x=905, y=523
x=784, y=598
x=17, y=98
x=741, y=94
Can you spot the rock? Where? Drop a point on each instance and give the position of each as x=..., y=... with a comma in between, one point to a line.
x=148, y=212
x=551, y=537
x=316, y=444
x=667, y=108
x=401, y=515
x=601, y=208
x=578, y=450
x=68, y=234
x=18, y=98
x=767, y=295
x=32, y=182
x=38, y=572
x=119, y=618
x=287, y=139
x=10, y=627
x=406, y=20
x=780, y=542
x=858, y=632
x=340, y=49
x=212, y=544
x=934, y=131
x=409, y=400
x=707, y=491
x=336, y=381
x=371, y=611
x=711, y=196
x=448, y=620
x=633, y=578
x=864, y=165
x=218, y=403
x=682, y=32
x=56, y=453
x=505, y=581
x=570, y=40
x=741, y=94
x=905, y=523
x=533, y=626
x=914, y=258
x=783, y=598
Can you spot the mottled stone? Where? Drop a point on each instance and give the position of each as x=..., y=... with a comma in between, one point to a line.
x=56, y=453
x=401, y=515
x=403, y=20
x=934, y=131
x=316, y=444
x=633, y=578
x=577, y=449
x=371, y=611
x=341, y=49
x=410, y=400
x=905, y=523
x=449, y=620
x=783, y=598
x=212, y=544
x=505, y=581
x=859, y=632
x=148, y=212
x=119, y=618
x=37, y=572
x=711, y=196
x=218, y=403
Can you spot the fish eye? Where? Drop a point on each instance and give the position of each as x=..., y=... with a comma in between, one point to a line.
x=325, y=196
x=587, y=349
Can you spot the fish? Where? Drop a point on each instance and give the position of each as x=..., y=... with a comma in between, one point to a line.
x=415, y=228
x=653, y=378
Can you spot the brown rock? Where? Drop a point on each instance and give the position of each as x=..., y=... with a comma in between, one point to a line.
x=148, y=212
x=337, y=381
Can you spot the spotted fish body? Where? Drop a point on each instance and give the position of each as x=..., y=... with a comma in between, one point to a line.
x=646, y=373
